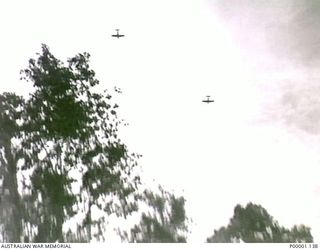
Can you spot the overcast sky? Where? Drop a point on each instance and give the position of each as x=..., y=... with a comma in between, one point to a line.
x=258, y=142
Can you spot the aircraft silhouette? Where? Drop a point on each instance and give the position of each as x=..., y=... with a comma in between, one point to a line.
x=117, y=35
x=208, y=100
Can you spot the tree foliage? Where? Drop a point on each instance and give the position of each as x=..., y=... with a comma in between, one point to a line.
x=165, y=222
x=253, y=224
x=63, y=141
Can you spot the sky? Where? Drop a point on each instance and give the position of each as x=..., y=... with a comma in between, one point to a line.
x=258, y=142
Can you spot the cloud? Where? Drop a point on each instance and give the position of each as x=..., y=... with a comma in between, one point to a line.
x=302, y=107
x=279, y=41
x=286, y=29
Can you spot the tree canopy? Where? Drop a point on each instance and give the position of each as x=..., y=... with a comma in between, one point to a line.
x=254, y=224
x=164, y=222
x=63, y=143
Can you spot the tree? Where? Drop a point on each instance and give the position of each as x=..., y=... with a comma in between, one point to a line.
x=11, y=212
x=166, y=221
x=254, y=224
x=67, y=151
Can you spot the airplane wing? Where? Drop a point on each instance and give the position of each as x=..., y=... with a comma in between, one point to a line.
x=117, y=36
x=207, y=101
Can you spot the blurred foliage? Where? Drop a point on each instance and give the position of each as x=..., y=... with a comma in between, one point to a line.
x=165, y=222
x=253, y=224
x=64, y=135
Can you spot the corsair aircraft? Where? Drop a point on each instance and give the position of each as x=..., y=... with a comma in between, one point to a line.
x=208, y=99
x=117, y=35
